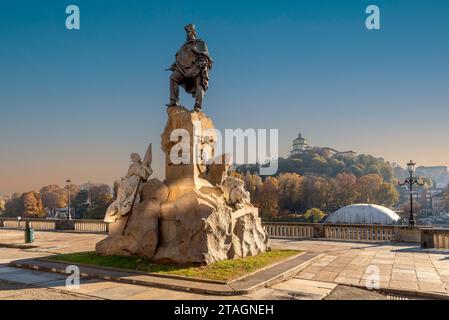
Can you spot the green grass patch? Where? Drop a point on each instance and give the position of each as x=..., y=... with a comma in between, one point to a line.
x=225, y=270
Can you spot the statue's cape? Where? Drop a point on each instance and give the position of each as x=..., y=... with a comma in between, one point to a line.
x=201, y=46
x=193, y=64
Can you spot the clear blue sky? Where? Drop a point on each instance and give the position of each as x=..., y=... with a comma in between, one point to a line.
x=76, y=103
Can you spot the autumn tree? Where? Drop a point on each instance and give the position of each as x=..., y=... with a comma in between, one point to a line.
x=14, y=206
x=317, y=192
x=367, y=187
x=53, y=198
x=32, y=204
x=345, y=189
x=253, y=184
x=74, y=189
x=268, y=199
x=100, y=197
x=100, y=194
x=307, y=187
x=81, y=203
x=289, y=191
x=324, y=194
x=387, y=195
x=314, y=215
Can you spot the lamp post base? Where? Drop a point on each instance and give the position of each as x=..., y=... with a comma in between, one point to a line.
x=411, y=221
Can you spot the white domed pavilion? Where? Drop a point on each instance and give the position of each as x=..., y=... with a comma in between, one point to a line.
x=363, y=214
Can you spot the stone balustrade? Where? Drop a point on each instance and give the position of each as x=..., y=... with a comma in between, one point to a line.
x=435, y=238
x=441, y=239
x=13, y=224
x=369, y=233
x=91, y=226
x=429, y=237
x=359, y=233
x=289, y=230
x=79, y=225
x=43, y=225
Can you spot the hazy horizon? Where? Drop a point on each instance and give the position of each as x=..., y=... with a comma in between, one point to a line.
x=75, y=104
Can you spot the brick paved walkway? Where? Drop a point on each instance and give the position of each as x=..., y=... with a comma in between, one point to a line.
x=399, y=266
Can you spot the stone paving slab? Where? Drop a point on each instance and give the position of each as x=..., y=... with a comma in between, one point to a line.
x=56, y=243
x=315, y=289
x=275, y=274
x=101, y=289
x=125, y=277
x=29, y=278
x=401, y=267
x=266, y=277
x=51, y=241
x=115, y=291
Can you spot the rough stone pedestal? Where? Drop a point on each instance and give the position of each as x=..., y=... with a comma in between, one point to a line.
x=142, y=231
x=196, y=215
x=197, y=225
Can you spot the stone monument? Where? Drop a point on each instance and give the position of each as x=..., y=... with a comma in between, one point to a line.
x=199, y=214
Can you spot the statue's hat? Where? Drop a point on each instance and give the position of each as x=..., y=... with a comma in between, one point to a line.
x=189, y=26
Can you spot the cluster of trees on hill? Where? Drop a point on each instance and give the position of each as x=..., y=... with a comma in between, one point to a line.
x=314, y=183
x=85, y=203
x=288, y=193
x=320, y=164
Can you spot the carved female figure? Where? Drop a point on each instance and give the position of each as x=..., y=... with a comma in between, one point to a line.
x=127, y=193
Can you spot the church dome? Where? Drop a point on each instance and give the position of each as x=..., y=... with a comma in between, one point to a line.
x=363, y=214
x=299, y=138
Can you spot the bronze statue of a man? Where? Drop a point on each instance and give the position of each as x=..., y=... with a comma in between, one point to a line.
x=191, y=69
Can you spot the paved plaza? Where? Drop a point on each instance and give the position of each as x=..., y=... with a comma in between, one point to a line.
x=18, y=283
x=401, y=267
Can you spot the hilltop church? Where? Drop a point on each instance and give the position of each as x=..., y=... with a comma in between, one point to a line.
x=300, y=146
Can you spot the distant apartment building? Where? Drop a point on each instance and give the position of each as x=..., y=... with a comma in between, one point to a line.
x=438, y=205
x=439, y=174
x=425, y=196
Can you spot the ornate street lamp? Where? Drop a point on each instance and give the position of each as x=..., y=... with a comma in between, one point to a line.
x=411, y=181
x=68, y=181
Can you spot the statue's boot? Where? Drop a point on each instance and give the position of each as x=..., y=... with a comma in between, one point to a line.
x=197, y=107
x=173, y=104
